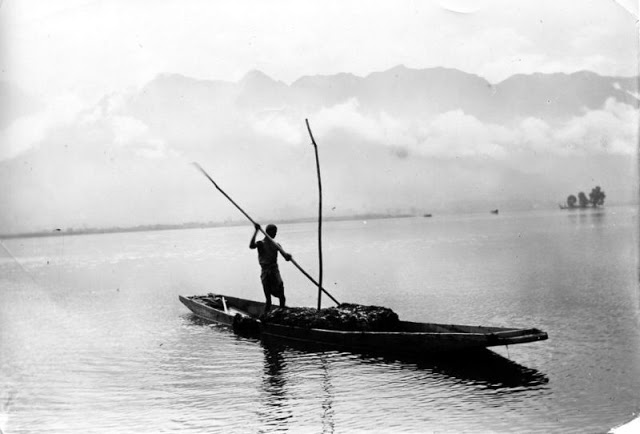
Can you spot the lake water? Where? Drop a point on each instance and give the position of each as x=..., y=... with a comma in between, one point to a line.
x=93, y=338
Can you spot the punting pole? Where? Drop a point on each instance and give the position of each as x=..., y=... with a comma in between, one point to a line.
x=315, y=148
x=307, y=275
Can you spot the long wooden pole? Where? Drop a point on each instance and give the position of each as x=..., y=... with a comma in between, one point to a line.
x=308, y=276
x=315, y=148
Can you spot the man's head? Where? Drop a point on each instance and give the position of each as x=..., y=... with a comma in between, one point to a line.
x=271, y=230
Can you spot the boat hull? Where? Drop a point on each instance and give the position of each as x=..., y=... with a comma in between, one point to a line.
x=411, y=337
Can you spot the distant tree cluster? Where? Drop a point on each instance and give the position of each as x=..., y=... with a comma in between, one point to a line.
x=596, y=198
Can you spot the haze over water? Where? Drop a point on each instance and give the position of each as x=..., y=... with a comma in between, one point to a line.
x=94, y=338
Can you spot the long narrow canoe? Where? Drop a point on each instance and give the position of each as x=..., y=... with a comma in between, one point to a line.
x=408, y=337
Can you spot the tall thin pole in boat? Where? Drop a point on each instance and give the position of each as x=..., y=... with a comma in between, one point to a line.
x=315, y=147
x=308, y=276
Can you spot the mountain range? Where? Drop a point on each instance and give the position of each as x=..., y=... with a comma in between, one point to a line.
x=395, y=141
x=170, y=101
x=399, y=91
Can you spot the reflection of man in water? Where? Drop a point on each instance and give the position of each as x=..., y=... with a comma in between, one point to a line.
x=268, y=258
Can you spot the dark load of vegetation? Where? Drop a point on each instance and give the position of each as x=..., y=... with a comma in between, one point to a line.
x=246, y=325
x=346, y=316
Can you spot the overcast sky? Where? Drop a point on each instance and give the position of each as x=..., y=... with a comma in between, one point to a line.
x=68, y=54
x=89, y=47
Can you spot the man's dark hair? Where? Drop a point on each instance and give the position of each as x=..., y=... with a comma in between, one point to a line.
x=271, y=230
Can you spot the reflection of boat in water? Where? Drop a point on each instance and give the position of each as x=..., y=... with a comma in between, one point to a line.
x=319, y=379
x=405, y=337
x=479, y=367
x=485, y=367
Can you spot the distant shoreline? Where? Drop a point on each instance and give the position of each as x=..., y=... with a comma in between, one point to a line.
x=235, y=223
x=192, y=225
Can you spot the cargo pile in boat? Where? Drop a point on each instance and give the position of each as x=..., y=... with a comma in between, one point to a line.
x=351, y=317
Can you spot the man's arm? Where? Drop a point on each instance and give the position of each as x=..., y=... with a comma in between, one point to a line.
x=285, y=255
x=252, y=243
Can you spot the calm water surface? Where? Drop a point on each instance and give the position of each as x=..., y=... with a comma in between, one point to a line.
x=94, y=339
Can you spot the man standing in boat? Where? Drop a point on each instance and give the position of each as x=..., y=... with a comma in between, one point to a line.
x=268, y=258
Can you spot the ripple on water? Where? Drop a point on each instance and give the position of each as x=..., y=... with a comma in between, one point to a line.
x=96, y=341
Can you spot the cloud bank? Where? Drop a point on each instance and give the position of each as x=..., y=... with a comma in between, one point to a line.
x=121, y=163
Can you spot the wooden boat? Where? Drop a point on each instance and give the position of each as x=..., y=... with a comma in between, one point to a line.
x=410, y=337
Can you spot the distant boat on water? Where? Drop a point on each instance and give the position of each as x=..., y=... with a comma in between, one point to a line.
x=427, y=215
x=494, y=211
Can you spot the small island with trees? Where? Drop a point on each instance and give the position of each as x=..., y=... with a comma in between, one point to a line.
x=595, y=199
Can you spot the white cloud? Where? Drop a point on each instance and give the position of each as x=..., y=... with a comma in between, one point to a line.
x=612, y=129
x=455, y=134
x=276, y=125
x=132, y=137
x=346, y=116
x=380, y=128
x=28, y=131
x=69, y=113
x=534, y=135
x=154, y=150
x=128, y=130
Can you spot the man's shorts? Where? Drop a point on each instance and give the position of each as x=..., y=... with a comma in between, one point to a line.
x=272, y=281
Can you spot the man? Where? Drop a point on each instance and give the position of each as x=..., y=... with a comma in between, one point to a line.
x=268, y=258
